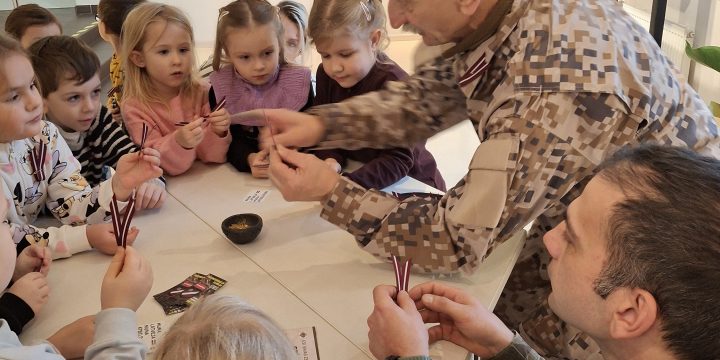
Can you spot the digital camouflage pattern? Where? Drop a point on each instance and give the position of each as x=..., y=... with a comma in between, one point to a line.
x=560, y=86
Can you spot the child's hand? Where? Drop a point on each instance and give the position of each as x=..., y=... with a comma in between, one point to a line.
x=31, y=258
x=219, y=122
x=150, y=195
x=133, y=170
x=33, y=289
x=102, y=238
x=190, y=135
x=259, y=164
x=127, y=281
x=72, y=340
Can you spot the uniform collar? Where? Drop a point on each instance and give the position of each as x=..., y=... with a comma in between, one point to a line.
x=486, y=29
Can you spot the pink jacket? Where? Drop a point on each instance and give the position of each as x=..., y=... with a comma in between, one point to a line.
x=161, y=119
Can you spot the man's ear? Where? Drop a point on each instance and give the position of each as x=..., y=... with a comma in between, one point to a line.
x=636, y=311
x=469, y=7
x=137, y=58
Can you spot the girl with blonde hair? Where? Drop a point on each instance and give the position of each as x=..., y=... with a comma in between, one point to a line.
x=350, y=36
x=251, y=73
x=163, y=90
x=223, y=327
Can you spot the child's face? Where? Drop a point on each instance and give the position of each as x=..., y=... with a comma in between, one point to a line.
x=254, y=52
x=37, y=32
x=347, y=59
x=166, y=55
x=292, y=45
x=73, y=106
x=7, y=248
x=20, y=102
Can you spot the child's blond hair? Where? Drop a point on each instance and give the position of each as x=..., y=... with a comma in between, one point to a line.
x=223, y=327
x=8, y=47
x=331, y=18
x=137, y=81
x=244, y=14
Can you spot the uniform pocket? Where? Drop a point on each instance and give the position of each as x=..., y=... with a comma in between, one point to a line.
x=486, y=185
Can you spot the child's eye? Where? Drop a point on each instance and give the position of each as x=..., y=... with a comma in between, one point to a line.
x=163, y=52
x=96, y=92
x=325, y=56
x=243, y=57
x=13, y=97
x=73, y=98
x=269, y=52
x=184, y=50
x=347, y=55
x=291, y=44
x=33, y=85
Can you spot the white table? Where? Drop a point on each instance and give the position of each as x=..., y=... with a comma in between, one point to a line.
x=178, y=243
x=316, y=261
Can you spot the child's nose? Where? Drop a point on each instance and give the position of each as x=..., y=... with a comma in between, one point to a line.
x=337, y=67
x=33, y=101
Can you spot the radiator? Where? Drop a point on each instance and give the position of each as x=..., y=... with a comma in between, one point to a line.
x=673, y=39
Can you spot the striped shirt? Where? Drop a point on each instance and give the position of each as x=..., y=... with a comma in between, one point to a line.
x=102, y=145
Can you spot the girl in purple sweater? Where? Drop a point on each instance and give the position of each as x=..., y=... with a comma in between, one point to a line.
x=350, y=36
x=251, y=73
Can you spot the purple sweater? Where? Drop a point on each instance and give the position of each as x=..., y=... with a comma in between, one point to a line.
x=382, y=167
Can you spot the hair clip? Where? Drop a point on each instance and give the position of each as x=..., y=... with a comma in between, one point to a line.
x=223, y=12
x=366, y=10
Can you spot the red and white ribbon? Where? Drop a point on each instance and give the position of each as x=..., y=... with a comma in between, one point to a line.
x=121, y=222
x=144, y=136
x=402, y=273
x=37, y=160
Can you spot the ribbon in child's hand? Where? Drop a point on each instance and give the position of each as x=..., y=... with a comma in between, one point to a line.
x=144, y=136
x=38, y=159
x=219, y=105
x=113, y=90
x=272, y=135
x=402, y=273
x=121, y=222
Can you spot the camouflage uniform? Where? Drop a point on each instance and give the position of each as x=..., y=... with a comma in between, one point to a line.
x=558, y=87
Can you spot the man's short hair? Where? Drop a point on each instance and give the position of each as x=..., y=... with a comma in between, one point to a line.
x=59, y=58
x=25, y=16
x=665, y=238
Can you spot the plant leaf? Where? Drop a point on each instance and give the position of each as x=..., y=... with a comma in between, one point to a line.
x=706, y=55
x=715, y=108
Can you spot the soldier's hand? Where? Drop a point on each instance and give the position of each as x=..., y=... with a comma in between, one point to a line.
x=461, y=319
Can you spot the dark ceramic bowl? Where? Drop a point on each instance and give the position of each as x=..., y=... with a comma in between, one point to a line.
x=242, y=228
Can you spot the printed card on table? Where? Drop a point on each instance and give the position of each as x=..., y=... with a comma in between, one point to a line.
x=150, y=334
x=305, y=342
x=256, y=196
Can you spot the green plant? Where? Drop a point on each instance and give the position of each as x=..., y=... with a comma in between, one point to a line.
x=710, y=57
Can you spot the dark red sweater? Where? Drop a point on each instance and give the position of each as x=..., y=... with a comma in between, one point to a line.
x=382, y=167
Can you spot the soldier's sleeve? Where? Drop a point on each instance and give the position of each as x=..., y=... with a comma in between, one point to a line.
x=402, y=114
x=540, y=147
x=517, y=350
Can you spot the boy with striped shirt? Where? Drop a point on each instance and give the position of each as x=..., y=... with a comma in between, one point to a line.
x=68, y=75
